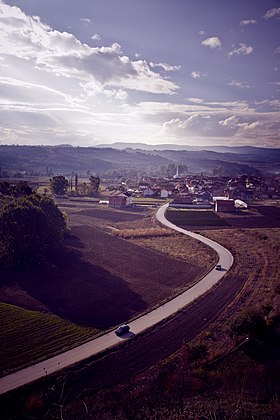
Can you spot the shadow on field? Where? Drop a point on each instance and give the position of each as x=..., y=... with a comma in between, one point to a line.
x=264, y=217
x=74, y=241
x=82, y=292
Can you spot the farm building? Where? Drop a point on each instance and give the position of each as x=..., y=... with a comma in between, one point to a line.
x=119, y=199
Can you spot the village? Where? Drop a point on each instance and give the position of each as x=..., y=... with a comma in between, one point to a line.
x=222, y=193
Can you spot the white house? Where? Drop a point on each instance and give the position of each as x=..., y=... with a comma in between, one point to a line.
x=163, y=193
x=147, y=192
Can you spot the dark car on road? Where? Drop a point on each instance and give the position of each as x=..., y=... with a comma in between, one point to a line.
x=123, y=329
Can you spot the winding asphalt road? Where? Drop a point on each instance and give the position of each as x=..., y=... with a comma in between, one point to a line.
x=106, y=341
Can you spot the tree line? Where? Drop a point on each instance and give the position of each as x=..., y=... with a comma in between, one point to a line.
x=59, y=185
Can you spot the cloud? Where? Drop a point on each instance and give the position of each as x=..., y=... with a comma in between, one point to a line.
x=96, y=37
x=213, y=42
x=85, y=20
x=271, y=104
x=201, y=32
x=277, y=50
x=58, y=89
x=174, y=124
x=165, y=66
x=198, y=75
x=61, y=53
x=119, y=95
x=231, y=122
x=263, y=129
x=248, y=22
x=238, y=84
x=196, y=100
x=274, y=83
x=25, y=92
x=275, y=12
x=243, y=49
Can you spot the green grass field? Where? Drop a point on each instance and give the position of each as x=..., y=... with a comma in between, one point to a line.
x=194, y=218
x=29, y=336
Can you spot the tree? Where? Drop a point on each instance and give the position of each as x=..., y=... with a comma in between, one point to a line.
x=22, y=188
x=29, y=228
x=6, y=188
x=19, y=189
x=59, y=185
x=94, y=183
x=219, y=171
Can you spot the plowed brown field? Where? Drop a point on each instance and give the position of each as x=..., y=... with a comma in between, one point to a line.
x=102, y=280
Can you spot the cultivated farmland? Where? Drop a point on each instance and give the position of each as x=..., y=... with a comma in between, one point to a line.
x=31, y=335
x=99, y=280
x=194, y=218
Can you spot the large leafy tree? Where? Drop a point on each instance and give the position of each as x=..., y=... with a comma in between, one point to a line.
x=94, y=184
x=30, y=227
x=19, y=189
x=59, y=185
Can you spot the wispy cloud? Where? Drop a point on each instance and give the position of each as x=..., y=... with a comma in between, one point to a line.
x=246, y=22
x=198, y=74
x=238, y=84
x=213, y=42
x=277, y=50
x=196, y=100
x=165, y=66
x=243, y=49
x=85, y=20
x=96, y=37
x=273, y=104
x=273, y=13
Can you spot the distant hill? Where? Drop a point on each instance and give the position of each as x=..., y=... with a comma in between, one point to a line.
x=125, y=157
x=221, y=149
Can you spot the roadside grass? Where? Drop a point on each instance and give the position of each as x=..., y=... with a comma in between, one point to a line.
x=30, y=336
x=194, y=218
x=142, y=233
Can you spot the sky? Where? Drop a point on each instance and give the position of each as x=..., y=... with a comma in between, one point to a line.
x=186, y=72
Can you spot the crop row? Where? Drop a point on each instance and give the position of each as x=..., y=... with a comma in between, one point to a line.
x=28, y=336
